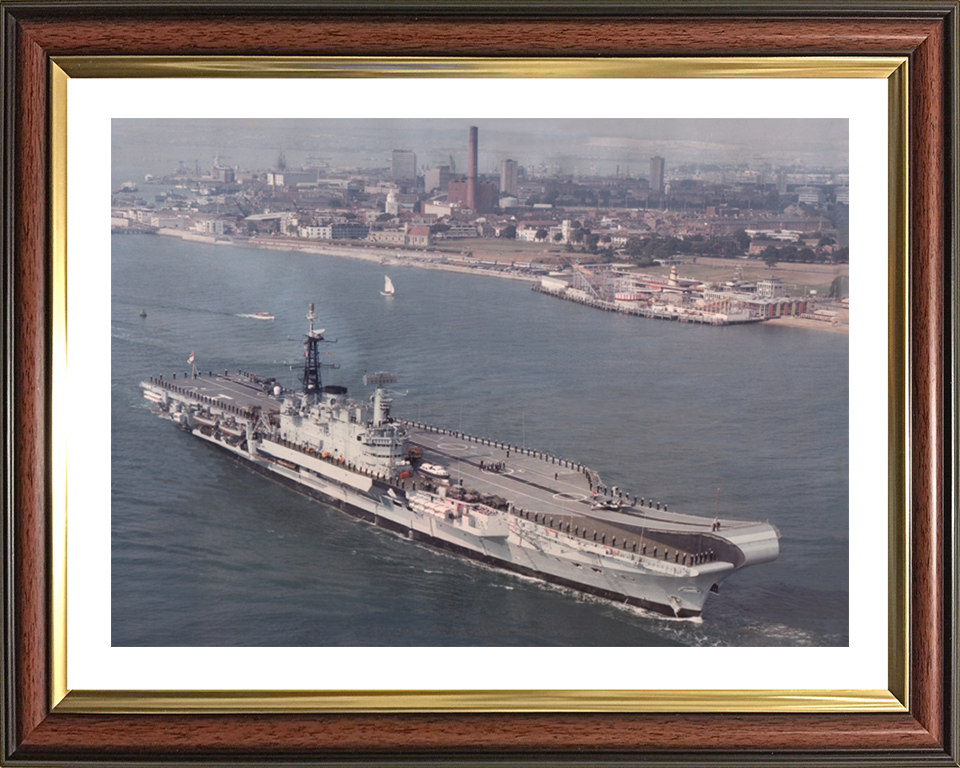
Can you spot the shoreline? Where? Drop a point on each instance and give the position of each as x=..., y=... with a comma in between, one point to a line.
x=813, y=325
x=393, y=259
x=378, y=256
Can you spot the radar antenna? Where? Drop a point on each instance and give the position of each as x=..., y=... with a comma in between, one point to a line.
x=379, y=379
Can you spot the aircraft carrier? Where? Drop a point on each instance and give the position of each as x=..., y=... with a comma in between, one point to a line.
x=508, y=506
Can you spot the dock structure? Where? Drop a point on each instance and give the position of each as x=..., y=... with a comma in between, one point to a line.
x=664, y=311
x=651, y=311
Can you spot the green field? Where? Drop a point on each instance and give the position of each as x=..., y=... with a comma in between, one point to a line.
x=797, y=277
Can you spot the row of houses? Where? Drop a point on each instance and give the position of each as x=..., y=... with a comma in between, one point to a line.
x=184, y=223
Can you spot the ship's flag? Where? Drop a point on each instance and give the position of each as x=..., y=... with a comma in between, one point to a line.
x=190, y=359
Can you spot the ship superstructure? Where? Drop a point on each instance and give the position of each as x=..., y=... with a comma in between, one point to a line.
x=507, y=506
x=322, y=421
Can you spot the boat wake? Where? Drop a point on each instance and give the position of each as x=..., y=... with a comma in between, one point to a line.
x=259, y=316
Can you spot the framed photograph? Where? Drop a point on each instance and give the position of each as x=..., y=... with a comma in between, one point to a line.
x=163, y=603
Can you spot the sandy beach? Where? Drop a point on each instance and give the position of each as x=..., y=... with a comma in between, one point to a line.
x=813, y=325
x=434, y=260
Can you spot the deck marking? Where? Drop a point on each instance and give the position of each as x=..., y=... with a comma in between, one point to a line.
x=454, y=447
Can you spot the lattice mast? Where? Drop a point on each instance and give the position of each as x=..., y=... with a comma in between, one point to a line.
x=310, y=377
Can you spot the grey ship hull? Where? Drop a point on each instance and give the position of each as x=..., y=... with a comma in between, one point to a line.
x=368, y=516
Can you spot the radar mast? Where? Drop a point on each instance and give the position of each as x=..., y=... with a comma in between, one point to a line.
x=311, y=358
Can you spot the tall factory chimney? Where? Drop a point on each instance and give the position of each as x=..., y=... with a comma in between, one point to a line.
x=472, y=171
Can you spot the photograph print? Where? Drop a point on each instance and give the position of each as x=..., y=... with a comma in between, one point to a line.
x=489, y=382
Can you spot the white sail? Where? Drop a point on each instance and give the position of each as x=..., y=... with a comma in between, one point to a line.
x=387, y=286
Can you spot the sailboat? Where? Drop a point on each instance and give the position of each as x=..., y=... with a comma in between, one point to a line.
x=387, y=287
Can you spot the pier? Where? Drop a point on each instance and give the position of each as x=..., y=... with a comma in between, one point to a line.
x=655, y=312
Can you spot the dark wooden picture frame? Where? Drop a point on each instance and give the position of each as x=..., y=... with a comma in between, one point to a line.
x=35, y=733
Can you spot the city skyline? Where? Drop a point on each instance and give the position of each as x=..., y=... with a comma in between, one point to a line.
x=562, y=146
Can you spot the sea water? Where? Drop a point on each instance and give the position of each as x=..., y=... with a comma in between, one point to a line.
x=748, y=421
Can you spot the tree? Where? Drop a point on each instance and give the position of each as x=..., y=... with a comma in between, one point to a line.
x=730, y=248
x=742, y=239
x=770, y=256
x=840, y=287
x=671, y=246
x=841, y=255
x=557, y=237
x=633, y=247
x=385, y=217
x=789, y=253
x=577, y=236
x=541, y=234
x=509, y=232
x=533, y=200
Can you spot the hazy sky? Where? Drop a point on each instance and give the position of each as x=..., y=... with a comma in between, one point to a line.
x=584, y=145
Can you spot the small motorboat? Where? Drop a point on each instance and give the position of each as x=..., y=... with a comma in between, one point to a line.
x=143, y=312
x=433, y=470
x=206, y=420
x=231, y=428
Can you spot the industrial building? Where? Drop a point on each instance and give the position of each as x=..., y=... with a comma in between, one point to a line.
x=404, y=165
x=470, y=193
x=657, y=167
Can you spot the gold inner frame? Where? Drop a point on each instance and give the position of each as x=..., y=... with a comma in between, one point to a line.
x=894, y=699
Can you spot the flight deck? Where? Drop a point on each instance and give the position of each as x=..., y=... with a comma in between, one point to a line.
x=559, y=493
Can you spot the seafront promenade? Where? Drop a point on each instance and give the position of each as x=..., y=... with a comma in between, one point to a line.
x=438, y=260
x=447, y=262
